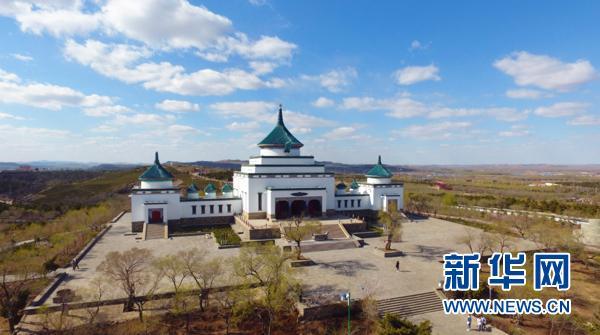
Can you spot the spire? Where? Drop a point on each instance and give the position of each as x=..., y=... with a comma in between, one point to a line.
x=280, y=116
x=379, y=160
x=156, y=161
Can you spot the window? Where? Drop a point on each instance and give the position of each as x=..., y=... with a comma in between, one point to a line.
x=220, y=208
x=212, y=209
x=339, y=203
x=194, y=210
x=228, y=208
x=345, y=203
x=203, y=209
x=358, y=203
x=259, y=201
x=352, y=203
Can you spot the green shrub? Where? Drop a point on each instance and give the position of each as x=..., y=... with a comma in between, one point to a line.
x=226, y=236
x=395, y=325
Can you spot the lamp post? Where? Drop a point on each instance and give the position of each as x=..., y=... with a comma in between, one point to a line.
x=346, y=296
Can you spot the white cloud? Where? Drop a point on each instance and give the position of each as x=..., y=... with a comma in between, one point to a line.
x=56, y=18
x=515, y=131
x=120, y=61
x=340, y=133
x=7, y=76
x=525, y=93
x=263, y=67
x=400, y=107
x=177, y=106
x=413, y=74
x=243, y=126
x=266, y=112
x=158, y=24
x=322, y=102
x=104, y=128
x=335, y=80
x=109, y=110
x=142, y=119
x=417, y=45
x=301, y=130
x=165, y=23
x=585, y=120
x=180, y=129
x=8, y=116
x=443, y=130
x=404, y=107
x=561, y=109
x=47, y=96
x=546, y=72
x=21, y=57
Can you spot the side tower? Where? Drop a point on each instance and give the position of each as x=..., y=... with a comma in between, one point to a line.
x=155, y=200
x=382, y=191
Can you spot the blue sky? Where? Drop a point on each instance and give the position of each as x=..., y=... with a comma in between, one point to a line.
x=418, y=82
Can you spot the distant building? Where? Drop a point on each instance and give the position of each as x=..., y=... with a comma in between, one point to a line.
x=440, y=185
x=277, y=184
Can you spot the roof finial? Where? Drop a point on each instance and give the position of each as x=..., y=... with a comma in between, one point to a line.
x=156, y=158
x=280, y=115
x=379, y=160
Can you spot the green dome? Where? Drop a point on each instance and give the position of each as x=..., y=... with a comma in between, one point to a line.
x=379, y=171
x=354, y=185
x=280, y=136
x=210, y=188
x=226, y=188
x=192, y=189
x=156, y=172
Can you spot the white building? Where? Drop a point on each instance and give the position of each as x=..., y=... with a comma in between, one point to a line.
x=278, y=183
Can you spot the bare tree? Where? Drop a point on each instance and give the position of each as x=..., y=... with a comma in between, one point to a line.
x=173, y=268
x=204, y=272
x=13, y=291
x=392, y=223
x=297, y=231
x=95, y=292
x=267, y=267
x=131, y=269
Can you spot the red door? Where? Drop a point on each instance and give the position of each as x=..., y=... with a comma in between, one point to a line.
x=156, y=217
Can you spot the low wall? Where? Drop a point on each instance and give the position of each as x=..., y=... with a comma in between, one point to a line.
x=41, y=298
x=264, y=233
x=327, y=311
x=91, y=244
x=187, y=224
x=352, y=228
x=137, y=226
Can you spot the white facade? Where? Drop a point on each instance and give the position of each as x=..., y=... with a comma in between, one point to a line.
x=277, y=184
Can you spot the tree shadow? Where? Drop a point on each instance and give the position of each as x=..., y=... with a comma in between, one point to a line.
x=428, y=252
x=348, y=268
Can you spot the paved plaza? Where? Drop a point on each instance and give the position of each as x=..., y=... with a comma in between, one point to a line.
x=359, y=270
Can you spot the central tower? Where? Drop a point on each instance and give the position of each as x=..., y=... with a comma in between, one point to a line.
x=280, y=141
x=280, y=182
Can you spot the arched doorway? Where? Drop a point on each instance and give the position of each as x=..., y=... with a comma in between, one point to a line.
x=298, y=207
x=282, y=210
x=314, y=208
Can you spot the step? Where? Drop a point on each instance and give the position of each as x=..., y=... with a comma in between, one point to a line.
x=155, y=231
x=410, y=305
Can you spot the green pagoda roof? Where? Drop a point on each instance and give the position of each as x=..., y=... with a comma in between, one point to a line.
x=210, y=188
x=226, y=188
x=280, y=136
x=379, y=171
x=192, y=189
x=156, y=172
x=354, y=185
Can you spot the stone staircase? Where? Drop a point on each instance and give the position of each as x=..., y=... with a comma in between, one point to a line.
x=334, y=231
x=410, y=305
x=154, y=231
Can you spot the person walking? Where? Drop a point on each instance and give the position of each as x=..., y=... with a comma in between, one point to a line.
x=397, y=266
x=478, y=324
x=483, y=323
x=469, y=319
